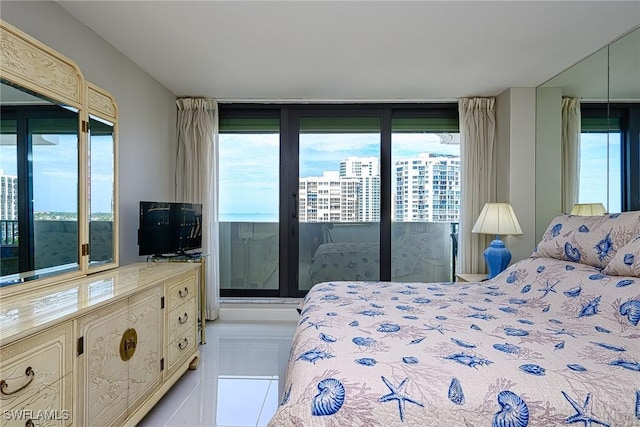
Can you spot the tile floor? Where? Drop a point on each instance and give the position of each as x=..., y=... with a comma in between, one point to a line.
x=239, y=380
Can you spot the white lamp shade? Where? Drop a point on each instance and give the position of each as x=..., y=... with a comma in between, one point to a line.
x=588, y=209
x=498, y=219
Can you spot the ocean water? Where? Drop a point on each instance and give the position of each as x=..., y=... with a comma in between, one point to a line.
x=248, y=217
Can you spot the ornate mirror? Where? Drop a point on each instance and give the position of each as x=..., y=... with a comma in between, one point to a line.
x=58, y=192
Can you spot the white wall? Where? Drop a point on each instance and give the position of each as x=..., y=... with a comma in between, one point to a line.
x=548, y=157
x=147, y=111
x=516, y=145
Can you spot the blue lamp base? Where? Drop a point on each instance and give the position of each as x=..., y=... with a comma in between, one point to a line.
x=497, y=257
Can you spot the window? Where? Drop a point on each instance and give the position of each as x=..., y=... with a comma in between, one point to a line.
x=311, y=193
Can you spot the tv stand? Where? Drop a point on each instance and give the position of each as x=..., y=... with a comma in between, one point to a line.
x=199, y=258
x=195, y=256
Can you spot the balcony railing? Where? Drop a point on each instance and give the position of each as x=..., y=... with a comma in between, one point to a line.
x=420, y=252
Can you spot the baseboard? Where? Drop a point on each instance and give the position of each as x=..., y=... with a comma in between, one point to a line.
x=252, y=312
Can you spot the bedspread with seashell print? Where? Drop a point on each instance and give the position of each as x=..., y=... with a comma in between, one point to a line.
x=545, y=343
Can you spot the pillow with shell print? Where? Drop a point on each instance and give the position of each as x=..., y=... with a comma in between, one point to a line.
x=591, y=240
x=626, y=262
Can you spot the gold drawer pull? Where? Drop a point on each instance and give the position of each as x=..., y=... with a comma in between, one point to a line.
x=183, y=344
x=183, y=320
x=186, y=292
x=128, y=344
x=29, y=423
x=3, y=384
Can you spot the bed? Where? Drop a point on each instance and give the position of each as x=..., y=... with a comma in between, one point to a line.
x=552, y=340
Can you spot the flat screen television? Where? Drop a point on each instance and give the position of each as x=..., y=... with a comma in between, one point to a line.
x=169, y=228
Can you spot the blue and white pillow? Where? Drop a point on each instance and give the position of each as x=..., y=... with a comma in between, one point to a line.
x=626, y=262
x=591, y=240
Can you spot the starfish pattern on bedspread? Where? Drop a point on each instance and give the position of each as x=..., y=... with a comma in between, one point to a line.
x=548, y=288
x=583, y=412
x=397, y=393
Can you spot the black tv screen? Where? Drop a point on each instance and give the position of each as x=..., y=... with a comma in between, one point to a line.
x=169, y=228
x=188, y=223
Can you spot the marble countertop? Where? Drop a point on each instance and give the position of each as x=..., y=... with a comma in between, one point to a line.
x=27, y=313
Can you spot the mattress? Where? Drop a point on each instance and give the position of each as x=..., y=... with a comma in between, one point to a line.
x=548, y=342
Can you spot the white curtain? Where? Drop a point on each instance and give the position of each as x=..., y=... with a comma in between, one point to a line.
x=570, y=152
x=197, y=181
x=478, y=157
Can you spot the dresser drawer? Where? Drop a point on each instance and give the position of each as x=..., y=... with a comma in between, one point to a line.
x=50, y=407
x=181, y=348
x=181, y=291
x=32, y=364
x=180, y=320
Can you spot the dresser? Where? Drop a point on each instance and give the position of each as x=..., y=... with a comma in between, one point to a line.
x=100, y=350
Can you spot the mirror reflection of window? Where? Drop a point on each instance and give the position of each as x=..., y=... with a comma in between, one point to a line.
x=8, y=198
x=601, y=169
x=101, y=191
x=54, y=166
x=40, y=169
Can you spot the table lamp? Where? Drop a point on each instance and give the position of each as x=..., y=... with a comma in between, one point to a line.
x=497, y=219
x=588, y=209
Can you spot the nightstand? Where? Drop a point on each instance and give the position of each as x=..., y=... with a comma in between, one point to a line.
x=468, y=277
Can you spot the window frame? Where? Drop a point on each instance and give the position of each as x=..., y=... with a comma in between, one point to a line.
x=289, y=115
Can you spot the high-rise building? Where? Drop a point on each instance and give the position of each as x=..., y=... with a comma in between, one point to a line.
x=8, y=208
x=8, y=197
x=367, y=171
x=329, y=198
x=427, y=188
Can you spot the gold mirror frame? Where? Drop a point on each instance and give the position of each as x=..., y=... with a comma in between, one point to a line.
x=31, y=65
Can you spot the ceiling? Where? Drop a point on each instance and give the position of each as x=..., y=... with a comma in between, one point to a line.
x=354, y=50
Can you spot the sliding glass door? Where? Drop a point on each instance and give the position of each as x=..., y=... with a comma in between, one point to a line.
x=339, y=199
x=317, y=193
x=249, y=177
x=425, y=175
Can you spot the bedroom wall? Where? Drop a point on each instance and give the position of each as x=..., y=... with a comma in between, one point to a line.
x=147, y=112
x=548, y=157
x=515, y=139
